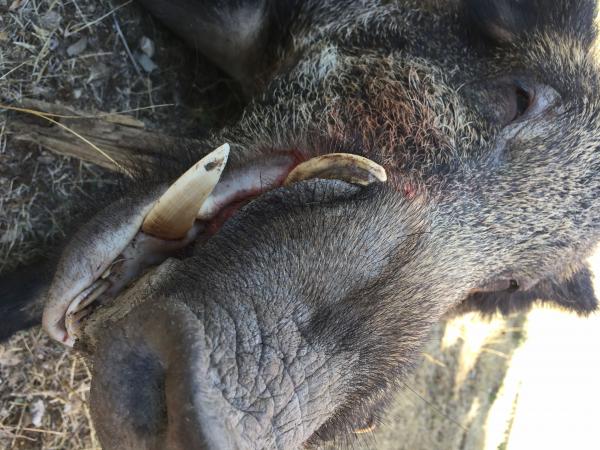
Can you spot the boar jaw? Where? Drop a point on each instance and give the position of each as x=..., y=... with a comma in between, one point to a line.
x=144, y=240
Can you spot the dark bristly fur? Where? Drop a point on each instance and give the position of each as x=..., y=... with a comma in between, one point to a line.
x=295, y=322
x=575, y=293
x=506, y=21
x=21, y=294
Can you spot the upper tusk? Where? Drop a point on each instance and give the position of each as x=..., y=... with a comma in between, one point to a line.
x=174, y=213
x=353, y=169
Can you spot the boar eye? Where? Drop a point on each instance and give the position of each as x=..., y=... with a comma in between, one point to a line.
x=523, y=101
x=520, y=102
x=530, y=100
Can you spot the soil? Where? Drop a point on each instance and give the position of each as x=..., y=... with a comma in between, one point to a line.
x=94, y=56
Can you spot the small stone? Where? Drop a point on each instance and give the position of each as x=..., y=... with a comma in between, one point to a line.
x=147, y=46
x=78, y=47
x=53, y=44
x=9, y=358
x=3, y=36
x=45, y=159
x=145, y=62
x=51, y=20
x=38, y=408
x=40, y=91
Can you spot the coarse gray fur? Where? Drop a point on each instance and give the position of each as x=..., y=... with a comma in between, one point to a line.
x=294, y=323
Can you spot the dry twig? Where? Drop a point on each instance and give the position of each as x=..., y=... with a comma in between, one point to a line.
x=112, y=141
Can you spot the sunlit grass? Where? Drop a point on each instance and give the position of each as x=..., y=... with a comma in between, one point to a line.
x=551, y=393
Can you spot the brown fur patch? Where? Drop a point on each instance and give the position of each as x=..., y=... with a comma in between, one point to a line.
x=396, y=116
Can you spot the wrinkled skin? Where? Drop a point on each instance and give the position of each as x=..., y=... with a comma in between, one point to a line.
x=295, y=321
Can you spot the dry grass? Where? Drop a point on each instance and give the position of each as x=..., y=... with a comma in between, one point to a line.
x=43, y=394
x=35, y=62
x=43, y=388
x=84, y=54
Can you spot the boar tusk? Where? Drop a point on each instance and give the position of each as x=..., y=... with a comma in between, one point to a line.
x=174, y=213
x=353, y=169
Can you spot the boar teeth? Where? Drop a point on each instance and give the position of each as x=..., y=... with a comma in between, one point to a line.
x=77, y=309
x=339, y=166
x=174, y=213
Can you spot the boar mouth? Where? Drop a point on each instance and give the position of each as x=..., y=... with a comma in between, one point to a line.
x=192, y=209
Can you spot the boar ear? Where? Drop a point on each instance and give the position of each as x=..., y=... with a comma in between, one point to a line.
x=574, y=293
x=504, y=21
x=240, y=36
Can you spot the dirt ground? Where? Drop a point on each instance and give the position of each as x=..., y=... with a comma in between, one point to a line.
x=94, y=56
x=110, y=56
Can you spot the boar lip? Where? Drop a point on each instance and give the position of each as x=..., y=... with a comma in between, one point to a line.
x=83, y=305
x=216, y=210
